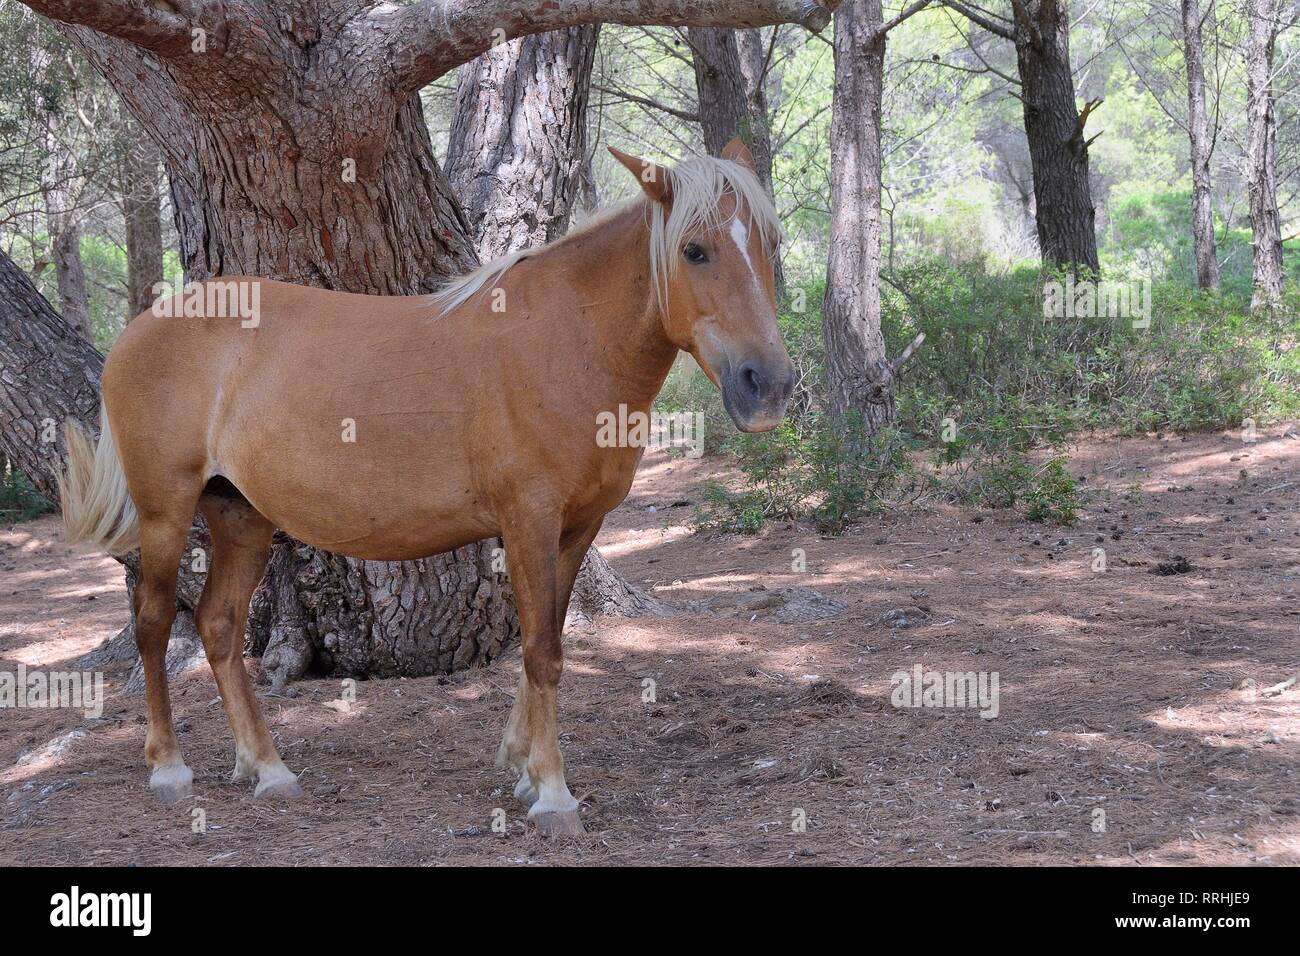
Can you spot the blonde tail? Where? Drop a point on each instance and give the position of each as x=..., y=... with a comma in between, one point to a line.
x=97, y=508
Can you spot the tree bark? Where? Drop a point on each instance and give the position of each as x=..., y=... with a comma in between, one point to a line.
x=519, y=138
x=1198, y=131
x=141, y=212
x=49, y=372
x=339, y=194
x=856, y=364
x=1054, y=128
x=720, y=86
x=1261, y=153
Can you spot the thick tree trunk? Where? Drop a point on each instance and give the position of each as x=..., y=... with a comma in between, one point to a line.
x=1261, y=153
x=141, y=211
x=855, y=347
x=519, y=138
x=1198, y=131
x=732, y=103
x=1054, y=127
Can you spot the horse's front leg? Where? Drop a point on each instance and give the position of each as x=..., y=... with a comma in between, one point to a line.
x=516, y=742
x=539, y=565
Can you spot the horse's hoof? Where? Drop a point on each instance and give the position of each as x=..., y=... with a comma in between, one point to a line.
x=172, y=793
x=278, y=784
x=172, y=784
x=564, y=824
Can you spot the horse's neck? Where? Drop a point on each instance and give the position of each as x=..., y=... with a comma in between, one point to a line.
x=611, y=268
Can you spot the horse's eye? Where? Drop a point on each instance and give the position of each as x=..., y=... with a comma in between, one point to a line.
x=694, y=253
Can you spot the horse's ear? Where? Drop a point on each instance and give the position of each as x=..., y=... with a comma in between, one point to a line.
x=652, y=177
x=738, y=152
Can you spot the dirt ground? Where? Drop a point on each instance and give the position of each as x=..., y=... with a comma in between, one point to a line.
x=1144, y=692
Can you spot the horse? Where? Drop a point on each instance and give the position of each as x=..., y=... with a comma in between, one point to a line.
x=472, y=412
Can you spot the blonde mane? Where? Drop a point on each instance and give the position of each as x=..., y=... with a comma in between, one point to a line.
x=698, y=186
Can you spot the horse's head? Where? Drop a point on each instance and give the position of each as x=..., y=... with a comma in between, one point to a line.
x=713, y=236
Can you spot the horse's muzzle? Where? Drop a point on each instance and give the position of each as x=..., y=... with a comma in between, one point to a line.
x=756, y=391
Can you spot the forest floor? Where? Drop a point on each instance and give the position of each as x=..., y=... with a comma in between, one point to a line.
x=1133, y=722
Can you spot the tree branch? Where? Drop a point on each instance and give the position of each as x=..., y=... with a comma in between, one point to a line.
x=904, y=14
x=424, y=40
x=626, y=97
x=162, y=26
x=986, y=22
x=1088, y=107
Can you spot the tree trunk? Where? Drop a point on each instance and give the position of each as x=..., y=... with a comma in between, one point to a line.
x=753, y=64
x=855, y=347
x=519, y=138
x=1054, y=127
x=141, y=211
x=729, y=86
x=1198, y=131
x=60, y=188
x=49, y=372
x=1261, y=153
x=720, y=86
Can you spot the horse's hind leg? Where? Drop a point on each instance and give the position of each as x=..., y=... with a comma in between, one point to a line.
x=162, y=541
x=241, y=543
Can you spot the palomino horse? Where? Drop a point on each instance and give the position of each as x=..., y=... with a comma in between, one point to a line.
x=474, y=413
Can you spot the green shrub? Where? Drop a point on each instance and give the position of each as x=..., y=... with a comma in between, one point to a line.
x=832, y=475
x=1203, y=362
x=19, y=501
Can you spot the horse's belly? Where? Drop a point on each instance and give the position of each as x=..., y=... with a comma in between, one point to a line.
x=383, y=532
x=380, y=506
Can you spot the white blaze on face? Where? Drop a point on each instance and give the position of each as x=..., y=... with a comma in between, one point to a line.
x=740, y=236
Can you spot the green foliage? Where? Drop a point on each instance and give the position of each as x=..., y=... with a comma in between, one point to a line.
x=833, y=475
x=995, y=457
x=1053, y=494
x=19, y=501
x=1149, y=233
x=1203, y=362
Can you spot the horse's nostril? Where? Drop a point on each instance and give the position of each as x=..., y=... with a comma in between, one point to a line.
x=751, y=379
